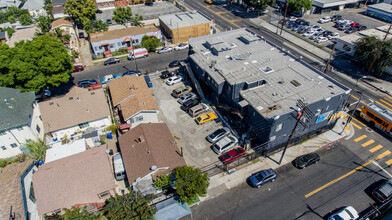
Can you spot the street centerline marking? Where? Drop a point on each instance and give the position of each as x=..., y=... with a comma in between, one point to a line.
x=376, y=148
x=360, y=138
x=369, y=142
x=348, y=174
x=221, y=12
x=358, y=99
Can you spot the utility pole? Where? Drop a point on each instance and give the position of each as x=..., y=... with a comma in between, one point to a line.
x=178, y=33
x=379, y=49
x=134, y=56
x=284, y=18
x=329, y=60
x=302, y=111
x=351, y=116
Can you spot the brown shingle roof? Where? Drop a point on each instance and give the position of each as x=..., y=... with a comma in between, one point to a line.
x=60, y=22
x=135, y=92
x=11, y=192
x=77, y=179
x=158, y=148
x=63, y=112
x=57, y=9
x=119, y=33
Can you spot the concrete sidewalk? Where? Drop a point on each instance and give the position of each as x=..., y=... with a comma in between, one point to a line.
x=222, y=182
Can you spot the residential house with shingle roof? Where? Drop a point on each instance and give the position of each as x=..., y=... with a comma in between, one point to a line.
x=132, y=100
x=78, y=111
x=149, y=149
x=83, y=179
x=19, y=121
x=107, y=42
x=66, y=26
x=35, y=8
x=58, y=9
x=17, y=191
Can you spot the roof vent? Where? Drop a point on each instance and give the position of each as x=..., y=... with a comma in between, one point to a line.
x=266, y=69
x=259, y=108
x=274, y=94
x=296, y=83
x=78, y=99
x=153, y=168
x=11, y=107
x=70, y=98
x=51, y=103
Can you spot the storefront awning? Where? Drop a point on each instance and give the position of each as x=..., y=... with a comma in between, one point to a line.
x=105, y=44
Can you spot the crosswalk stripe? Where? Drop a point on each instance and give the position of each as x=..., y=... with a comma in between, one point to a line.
x=386, y=153
x=360, y=138
x=389, y=162
x=358, y=99
x=376, y=148
x=355, y=125
x=386, y=102
x=357, y=121
x=383, y=106
x=367, y=143
x=389, y=97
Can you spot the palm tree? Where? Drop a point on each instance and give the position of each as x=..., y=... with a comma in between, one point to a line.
x=59, y=34
x=37, y=148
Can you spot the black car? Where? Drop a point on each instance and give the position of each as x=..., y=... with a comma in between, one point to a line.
x=361, y=27
x=299, y=21
x=87, y=83
x=351, y=30
x=261, y=177
x=81, y=35
x=111, y=61
x=167, y=74
x=109, y=21
x=189, y=104
x=306, y=160
x=383, y=192
x=174, y=63
x=327, y=33
x=132, y=72
x=335, y=17
x=149, y=3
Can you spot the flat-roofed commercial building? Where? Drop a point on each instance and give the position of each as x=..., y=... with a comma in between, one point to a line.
x=184, y=25
x=264, y=83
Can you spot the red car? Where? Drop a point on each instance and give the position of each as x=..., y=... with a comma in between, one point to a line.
x=355, y=24
x=232, y=155
x=78, y=68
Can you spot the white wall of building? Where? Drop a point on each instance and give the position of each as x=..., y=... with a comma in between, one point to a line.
x=143, y=117
x=11, y=140
x=36, y=124
x=31, y=205
x=345, y=47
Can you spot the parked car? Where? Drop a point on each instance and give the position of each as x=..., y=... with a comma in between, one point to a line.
x=87, y=83
x=173, y=80
x=107, y=78
x=306, y=160
x=344, y=213
x=308, y=33
x=109, y=21
x=292, y=18
x=325, y=19
x=132, y=72
x=315, y=27
x=165, y=50
x=344, y=27
x=206, y=118
x=117, y=76
x=263, y=11
x=301, y=30
x=351, y=30
x=78, y=68
x=138, y=53
x=383, y=192
x=148, y=81
x=321, y=39
x=314, y=36
x=189, y=104
x=218, y=134
x=198, y=110
x=46, y=93
x=261, y=177
x=186, y=97
x=149, y=3
x=333, y=36
x=232, y=155
x=327, y=33
x=295, y=28
x=181, y=47
x=174, y=63
x=176, y=93
x=208, y=1
x=335, y=17
x=81, y=35
x=355, y=24
x=111, y=61
x=224, y=144
x=166, y=74
x=361, y=27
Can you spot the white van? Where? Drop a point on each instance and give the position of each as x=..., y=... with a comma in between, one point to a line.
x=139, y=53
x=119, y=171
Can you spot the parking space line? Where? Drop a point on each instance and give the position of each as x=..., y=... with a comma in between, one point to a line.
x=376, y=148
x=360, y=138
x=367, y=143
x=389, y=162
x=347, y=174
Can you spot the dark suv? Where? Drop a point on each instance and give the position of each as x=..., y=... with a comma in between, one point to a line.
x=166, y=74
x=87, y=83
x=384, y=192
x=189, y=104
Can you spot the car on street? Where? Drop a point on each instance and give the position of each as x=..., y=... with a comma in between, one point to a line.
x=173, y=80
x=306, y=160
x=325, y=19
x=78, y=68
x=87, y=83
x=189, y=104
x=132, y=72
x=344, y=213
x=383, y=192
x=321, y=39
x=351, y=30
x=165, y=50
x=258, y=179
x=186, y=97
x=107, y=78
x=333, y=36
x=206, y=118
x=174, y=63
x=149, y=3
x=224, y=144
x=232, y=155
x=166, y=74
x=177, y=93
x=218, y=134
x=181, y=47
x=111, y=61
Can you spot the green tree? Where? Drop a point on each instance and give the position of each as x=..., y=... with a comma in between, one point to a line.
x=80, y=11
x=35, y=65
x=75, y=213
x=300, y=5
x=190, y=183
x=366, y=49
x=44, y=23
x=136, y=20
x=150, y=43
x=10, y=31
x=122, y=15
x=25, y=19
x=59, y=34
x=48, y=6
x=37, y=148
x=259, y=4
x=130, y=206
x=95, y=26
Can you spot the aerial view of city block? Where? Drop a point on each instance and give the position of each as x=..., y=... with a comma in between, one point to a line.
x=195, y=109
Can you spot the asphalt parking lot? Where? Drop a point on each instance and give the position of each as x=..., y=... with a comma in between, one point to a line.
x=188, y=135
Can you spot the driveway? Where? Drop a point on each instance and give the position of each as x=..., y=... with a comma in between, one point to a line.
x=85, y=54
